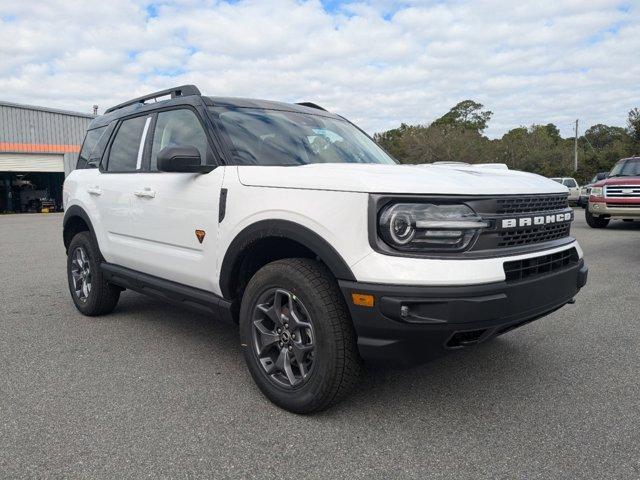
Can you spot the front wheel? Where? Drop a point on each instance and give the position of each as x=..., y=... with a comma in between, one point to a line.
x=298, y=339
x=593, y=221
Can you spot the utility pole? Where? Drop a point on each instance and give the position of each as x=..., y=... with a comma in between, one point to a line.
x=575, y=149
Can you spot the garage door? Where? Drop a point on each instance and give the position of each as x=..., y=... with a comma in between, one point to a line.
x=27, y=162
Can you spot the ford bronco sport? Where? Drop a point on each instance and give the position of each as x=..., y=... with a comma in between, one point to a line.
x=291, y=222
x=617, y=196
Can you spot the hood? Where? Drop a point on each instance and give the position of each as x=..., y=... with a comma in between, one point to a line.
x=618, y=181
x=412, y=179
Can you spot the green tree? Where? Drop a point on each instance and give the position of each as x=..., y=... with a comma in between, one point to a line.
x=633, y=121
x=457, y=136
x=466, y=114
x=600, y=136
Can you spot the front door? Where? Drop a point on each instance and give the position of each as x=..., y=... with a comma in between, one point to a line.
x=175, y=215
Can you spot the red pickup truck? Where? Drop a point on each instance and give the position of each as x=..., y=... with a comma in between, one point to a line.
x=616, y=197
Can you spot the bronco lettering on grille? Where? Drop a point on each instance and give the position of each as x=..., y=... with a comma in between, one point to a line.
x=536, y=220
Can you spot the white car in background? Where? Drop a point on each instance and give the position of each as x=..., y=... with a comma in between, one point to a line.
x=572, y=185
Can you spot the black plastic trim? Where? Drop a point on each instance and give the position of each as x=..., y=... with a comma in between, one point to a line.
x=408, y=324
x=76, y=211
x=173, y=292
x=222, y=206
x=285, y=229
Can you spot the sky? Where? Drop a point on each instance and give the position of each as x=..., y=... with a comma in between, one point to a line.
x=377, y=62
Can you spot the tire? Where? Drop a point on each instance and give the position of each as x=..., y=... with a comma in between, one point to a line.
x=91, y=294
x=595, y=222
x=315, y=328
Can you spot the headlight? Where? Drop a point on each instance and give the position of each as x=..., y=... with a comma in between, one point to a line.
x=429, y=227
x=596, y=191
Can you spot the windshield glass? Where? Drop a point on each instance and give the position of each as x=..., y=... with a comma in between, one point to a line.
x=559, y=180
x=628, y=168
x=273, y=137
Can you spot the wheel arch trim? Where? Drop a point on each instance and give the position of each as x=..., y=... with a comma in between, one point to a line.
x=75, y=211
x=286, y=230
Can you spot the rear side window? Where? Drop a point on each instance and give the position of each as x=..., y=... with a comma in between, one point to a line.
x=88, y=146
x=126, y=147
x=179, y=128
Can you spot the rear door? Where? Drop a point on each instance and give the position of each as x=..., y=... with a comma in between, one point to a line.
x=175, y=215
x=114, y=188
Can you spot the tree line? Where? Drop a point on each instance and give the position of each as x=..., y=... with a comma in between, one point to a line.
x=458, y=136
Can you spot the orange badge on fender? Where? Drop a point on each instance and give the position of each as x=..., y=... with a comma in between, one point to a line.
x=200, y=234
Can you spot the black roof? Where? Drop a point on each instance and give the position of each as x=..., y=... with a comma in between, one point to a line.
x=189, y=94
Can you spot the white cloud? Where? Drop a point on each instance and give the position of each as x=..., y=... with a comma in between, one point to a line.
x=379, y=62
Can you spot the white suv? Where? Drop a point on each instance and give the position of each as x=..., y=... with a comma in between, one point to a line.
x=293, y=223
x=572, y=185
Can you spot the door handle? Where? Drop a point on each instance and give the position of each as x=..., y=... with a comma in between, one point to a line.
x=145, y=193
x=96, y=190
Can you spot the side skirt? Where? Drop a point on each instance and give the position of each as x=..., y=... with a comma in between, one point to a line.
x=172, y=292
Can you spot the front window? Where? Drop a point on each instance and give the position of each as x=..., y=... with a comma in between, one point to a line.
x=626, y=168
x=178, y=128
x=273, y=137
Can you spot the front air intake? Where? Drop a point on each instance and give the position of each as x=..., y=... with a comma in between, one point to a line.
x=531, y=267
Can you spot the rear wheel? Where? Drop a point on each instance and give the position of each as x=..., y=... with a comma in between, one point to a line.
x=595, y=222
x=91, y=294
x=298, y=339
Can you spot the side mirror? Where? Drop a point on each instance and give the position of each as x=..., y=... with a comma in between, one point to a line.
x=601, y=175
x=181, y=159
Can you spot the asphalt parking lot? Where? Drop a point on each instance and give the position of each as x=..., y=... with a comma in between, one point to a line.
x=154, y=391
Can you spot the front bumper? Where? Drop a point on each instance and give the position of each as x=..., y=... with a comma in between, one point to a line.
x=408, y=324
x=615, y=210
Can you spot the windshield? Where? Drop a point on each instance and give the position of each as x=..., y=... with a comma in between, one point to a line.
x=627, y=168
x=559, y=180
x=273, y=137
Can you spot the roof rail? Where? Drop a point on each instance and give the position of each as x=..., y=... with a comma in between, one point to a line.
x=312, y=105
x=181, y=91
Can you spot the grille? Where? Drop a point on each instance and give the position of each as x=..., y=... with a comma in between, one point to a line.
x=532, y=267
x=623, y=205
x=529, y=235
x=530, y=204
x=622, y=191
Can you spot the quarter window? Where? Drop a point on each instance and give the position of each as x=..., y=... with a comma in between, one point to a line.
x=88, y=146
x=126, y=147
x=180, y=128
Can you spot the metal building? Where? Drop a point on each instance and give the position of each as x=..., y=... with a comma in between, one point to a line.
x=38, y=146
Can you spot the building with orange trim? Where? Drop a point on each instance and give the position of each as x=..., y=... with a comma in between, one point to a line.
x=38, y=147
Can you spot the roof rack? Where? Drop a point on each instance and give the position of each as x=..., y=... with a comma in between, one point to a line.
x=312, y=105
x=181, y=91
